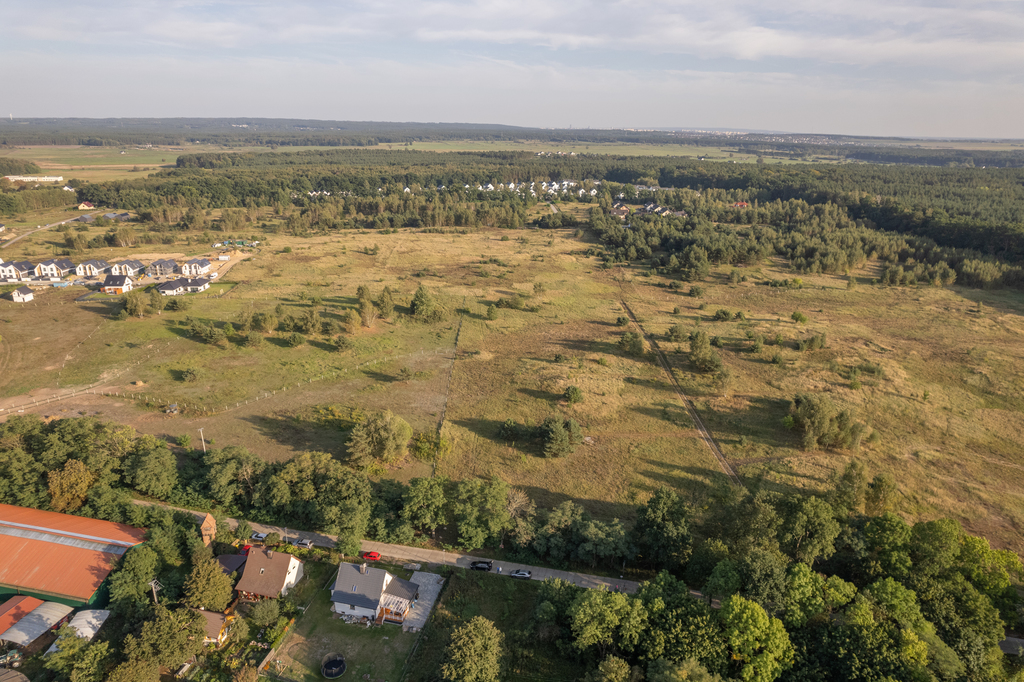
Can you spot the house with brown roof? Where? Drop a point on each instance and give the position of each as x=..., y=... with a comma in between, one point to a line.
x=217, y=627
x=268, y=574
x=208, y=529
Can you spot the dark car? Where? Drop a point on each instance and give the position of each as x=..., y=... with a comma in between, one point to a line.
x=481, y=565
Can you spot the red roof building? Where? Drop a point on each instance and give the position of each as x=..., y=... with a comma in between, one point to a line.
x=59, y=557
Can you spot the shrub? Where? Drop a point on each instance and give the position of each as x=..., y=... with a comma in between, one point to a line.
x=716, y=341
x=573, y=395
x=631, y=344
x=722, y=315
x=777, y=359
x=676, y=310
x=621, y=321
x=191, y=374
x=253, y=340
x=676, y=333
x=702, y=356
x=799, y=317
x=295, y=339
x=824, y=424
x=696, y=291
x=492, y=312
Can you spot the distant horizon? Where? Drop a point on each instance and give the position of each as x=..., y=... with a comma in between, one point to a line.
x=707, y=130
x=879, y=68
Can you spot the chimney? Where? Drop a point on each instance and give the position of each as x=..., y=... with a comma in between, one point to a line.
x=362, y=568
x=270, y=554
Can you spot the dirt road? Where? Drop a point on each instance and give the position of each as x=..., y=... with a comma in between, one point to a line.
x=39, y=229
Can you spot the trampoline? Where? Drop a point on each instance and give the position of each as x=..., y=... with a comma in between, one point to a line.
x=333, y=666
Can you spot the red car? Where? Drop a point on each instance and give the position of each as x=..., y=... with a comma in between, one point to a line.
x=245, y=550
x=371, y=556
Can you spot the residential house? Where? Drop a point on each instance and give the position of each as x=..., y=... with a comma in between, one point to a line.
x=2, y=228
x=85, y=219
x=208, y=529
x=117, y=284
x=68, y=188
x=162, y=267
x=128, y=267
x=741, y=204
x=372, y=593
x=121, y=217
x=183, y=285
x=85, y=206
x=54, y=268
x=196, y=266
x=620, y=213
x=268, y=574
x=92, y=268
x=217, y=626
x=17, y=271
x=22, y=295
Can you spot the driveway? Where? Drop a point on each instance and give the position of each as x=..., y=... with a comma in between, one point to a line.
x=430, y=586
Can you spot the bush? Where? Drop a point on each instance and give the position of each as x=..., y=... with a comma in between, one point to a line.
x=621, y=321
x=295, y=339
x=716, y=341
x=816, y=342
x=253, y=340
x=265, y=613
x=631, y=344
x=573, y=395
x=722, y=315
x=382, y=437
x=702, y=356
x=696, y=291
x=191, y=374
x=799, y=317
x=677, y=334
x=492, y=312
x=824, y=424
x=676, y=310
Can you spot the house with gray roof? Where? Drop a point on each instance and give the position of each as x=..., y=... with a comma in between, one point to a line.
x=92, y=268
x=372, y=593
x=162, y=267
x=196, y=266
x=127, y=267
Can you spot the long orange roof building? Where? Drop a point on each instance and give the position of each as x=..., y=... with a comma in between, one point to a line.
x=59, y=557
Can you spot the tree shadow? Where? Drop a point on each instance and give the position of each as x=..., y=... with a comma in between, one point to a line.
x=301, y=435
x=654, y=384
x=540, y=395
x=322, y=345
x=589, y=346
x=673, y=413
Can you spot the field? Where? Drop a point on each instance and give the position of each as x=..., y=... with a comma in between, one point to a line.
x=940, y=377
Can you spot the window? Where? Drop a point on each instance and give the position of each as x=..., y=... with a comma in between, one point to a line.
x=261, y=571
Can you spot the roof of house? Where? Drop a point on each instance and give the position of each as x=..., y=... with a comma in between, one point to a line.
x=365, y=590
x=23, y=291
x=16, y=608
x=265, y=572
x=21, y=265
x=97, y=263
x=173, y=285
x=214, y=623
x=34, y=625
x=229, y=563
x=86, y=624
x=163, y=261
x=115, y=280
x=198, y=261
x=59, y=554
x=135, y=264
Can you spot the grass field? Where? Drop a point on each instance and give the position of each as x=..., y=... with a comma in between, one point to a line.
x=946, y=404
x=509, y=604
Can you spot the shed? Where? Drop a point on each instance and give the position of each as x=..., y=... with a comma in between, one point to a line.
x=86, y=624
x=34, y=625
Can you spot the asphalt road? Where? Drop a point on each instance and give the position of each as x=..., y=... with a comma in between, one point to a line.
x=403, y=554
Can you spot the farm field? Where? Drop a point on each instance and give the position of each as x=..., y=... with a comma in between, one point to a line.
x=943, y=398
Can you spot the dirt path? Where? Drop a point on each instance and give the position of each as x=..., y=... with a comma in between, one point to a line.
x=553, y=209
x=705, y=434
x=38, y=229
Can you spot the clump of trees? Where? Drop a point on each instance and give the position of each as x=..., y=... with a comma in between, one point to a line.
x=556, y=437
x=382, y=437
x=823, y=424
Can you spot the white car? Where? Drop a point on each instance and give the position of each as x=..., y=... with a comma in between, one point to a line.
x=258, y=537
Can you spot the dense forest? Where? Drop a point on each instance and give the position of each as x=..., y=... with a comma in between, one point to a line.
x=791, y=587
x=927, y=225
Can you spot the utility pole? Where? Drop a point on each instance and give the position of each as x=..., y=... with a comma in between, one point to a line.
x=155, y=584
x=202, y=439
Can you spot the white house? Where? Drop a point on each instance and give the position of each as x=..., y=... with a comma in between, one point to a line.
x=372, y=593
x=15, y=271
x=92, y=268
x=162, y=267
x=268, y=574
x=54, y=268
x=183, y=285
x=196, y=266
x=127, y=267
x=117, y=284
x=22, y=295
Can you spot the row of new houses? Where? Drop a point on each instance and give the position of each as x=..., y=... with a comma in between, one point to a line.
x=122, y=284
x=58, y=268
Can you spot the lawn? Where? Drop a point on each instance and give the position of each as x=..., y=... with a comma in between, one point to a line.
x=379, y=652
x=509, y=604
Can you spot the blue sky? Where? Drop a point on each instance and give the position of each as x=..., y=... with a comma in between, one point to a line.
x=871, y=67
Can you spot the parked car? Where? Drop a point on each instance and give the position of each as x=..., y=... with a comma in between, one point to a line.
x=521, y=573
x=481, y=565
x=258, y=537
x=371, y=556
x=245, y=550
x=304, y=544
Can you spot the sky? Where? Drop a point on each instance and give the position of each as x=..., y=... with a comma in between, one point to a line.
x=871, y=67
